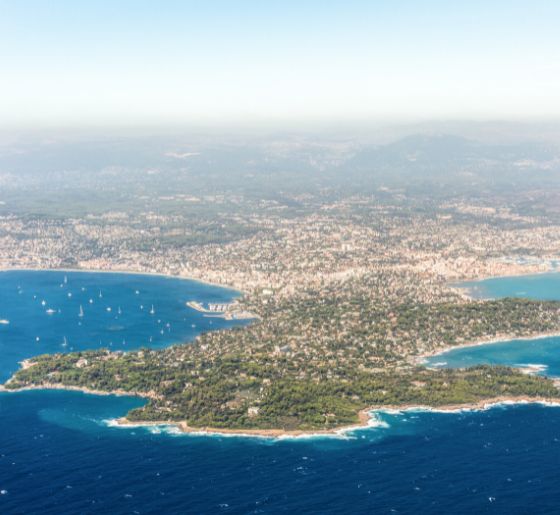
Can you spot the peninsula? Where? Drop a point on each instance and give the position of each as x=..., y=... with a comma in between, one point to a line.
x=348, y=291
x=242, y=380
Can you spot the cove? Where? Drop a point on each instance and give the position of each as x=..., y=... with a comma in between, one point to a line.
x=538, y=355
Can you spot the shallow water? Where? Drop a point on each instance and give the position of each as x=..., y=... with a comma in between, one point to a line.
x=541, y=355
x=537, y=286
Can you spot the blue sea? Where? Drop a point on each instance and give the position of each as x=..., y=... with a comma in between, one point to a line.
x=541, y=355
x=59, y=452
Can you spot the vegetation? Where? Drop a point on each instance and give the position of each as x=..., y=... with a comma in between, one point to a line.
x=249, y=378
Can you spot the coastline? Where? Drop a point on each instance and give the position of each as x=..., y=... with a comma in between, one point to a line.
x=183, y=427
x=70, y=388
x=125, y=271
x=420, y=359
x=467, y=292
x=366, y=417
x=482, y=405
x=544, y=266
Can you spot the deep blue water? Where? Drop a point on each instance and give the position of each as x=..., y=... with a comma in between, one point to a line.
x=116, y=312
x=58, y=453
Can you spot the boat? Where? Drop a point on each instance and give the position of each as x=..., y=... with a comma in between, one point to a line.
x=64, y=342
x=50, y=311
x=152, y=311
x=100, y=294
x=4, y=321
x=65, y=280
x=81, y=313
x=119, y=310
x=43, y=303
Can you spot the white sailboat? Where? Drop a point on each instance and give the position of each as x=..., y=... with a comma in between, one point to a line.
x=152, y=311
x=81, y=313
x=64, y=342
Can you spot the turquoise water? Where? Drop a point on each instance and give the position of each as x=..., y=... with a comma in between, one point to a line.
x=538, y=286
x=541, y=355
x=60, y=453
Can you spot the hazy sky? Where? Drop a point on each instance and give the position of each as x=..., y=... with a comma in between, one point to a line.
x=135, y=61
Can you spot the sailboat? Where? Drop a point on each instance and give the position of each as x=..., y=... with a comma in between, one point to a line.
x=81, y=313
x=119, y=311
x=65, y=280
x=152, y=311
x=64, y=342
x=100, y=294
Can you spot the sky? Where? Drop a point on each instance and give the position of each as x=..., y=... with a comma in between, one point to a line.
x=121, y=62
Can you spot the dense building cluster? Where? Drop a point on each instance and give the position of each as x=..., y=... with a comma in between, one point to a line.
x=350, y=294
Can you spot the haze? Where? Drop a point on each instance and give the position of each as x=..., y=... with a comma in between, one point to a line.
x=115, y=63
